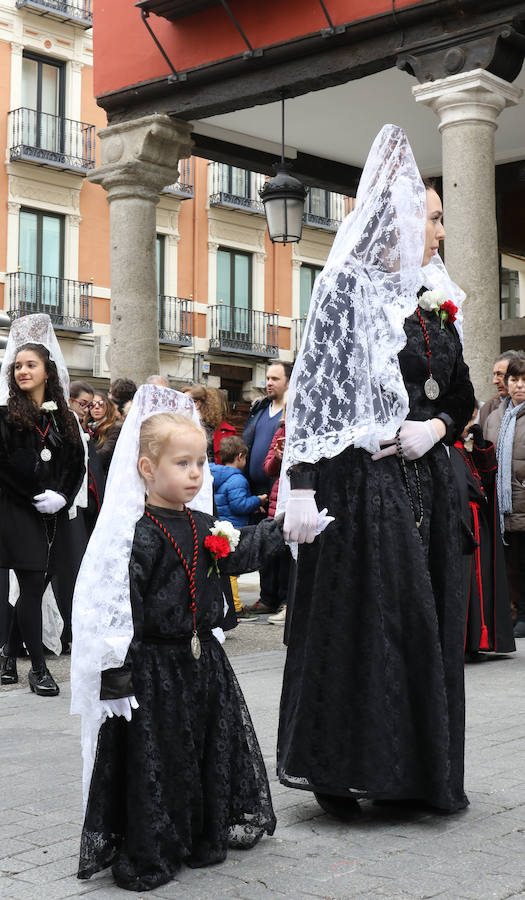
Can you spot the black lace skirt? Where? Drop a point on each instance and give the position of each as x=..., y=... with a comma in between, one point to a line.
x=180, y=782
x=373, y=694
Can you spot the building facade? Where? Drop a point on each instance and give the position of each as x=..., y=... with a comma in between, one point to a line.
x=185, y=232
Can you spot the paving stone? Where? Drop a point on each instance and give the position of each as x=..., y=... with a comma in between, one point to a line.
x=391, y=854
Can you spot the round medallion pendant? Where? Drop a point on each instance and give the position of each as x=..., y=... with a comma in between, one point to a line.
x=45, y=454
x=195, y=646
x=431, y=388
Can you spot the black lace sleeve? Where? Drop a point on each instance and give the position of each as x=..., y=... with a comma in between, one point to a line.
x=303, y=475
x=71, y=471
x=116, y=683
x=256, y=545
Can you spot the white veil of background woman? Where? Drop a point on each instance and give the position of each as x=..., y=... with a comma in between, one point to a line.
x=33, y=329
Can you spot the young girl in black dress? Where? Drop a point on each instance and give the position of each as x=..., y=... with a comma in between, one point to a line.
x=178, y=774
x=41, y=472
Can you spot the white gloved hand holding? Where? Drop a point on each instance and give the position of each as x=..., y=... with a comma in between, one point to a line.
x=49, y=502
x=123, y=706
x=322, y=521
x=301, y=516
x=415, y=438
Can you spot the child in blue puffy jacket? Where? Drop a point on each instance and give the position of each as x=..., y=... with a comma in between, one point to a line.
x=233, y=498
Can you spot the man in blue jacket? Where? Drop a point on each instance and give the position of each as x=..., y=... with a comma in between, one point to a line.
x=262, y=423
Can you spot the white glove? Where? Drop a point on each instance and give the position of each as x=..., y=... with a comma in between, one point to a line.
x=322, y=521
x=416, y=439
x=301, y=516
x=124, y=706
x=49, y=502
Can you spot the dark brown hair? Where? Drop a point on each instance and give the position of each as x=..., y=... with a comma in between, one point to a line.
x=286, y=366
x=516, y=367
x=22, y=411
x=80, y=387
x=110, y=412
x=230, y=447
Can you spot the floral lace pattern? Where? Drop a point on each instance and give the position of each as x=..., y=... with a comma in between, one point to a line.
x=185, y=778
x=102, y=622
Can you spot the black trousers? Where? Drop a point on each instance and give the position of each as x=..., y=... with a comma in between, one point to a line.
x=515, y=565
x=274, y=578
x=27, y=621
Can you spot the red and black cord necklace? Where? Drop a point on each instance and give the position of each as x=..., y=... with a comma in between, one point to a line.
x=45, y=453
x=431, y=387
x=195, y=644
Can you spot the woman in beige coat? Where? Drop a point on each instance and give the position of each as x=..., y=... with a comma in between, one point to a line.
x=506, y=428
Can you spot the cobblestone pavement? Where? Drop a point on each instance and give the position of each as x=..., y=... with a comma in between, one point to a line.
x=476, y=854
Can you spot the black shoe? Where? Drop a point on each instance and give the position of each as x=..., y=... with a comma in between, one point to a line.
x=42, y=683
x=519, y=629
x=343, y=808
x=8, y=675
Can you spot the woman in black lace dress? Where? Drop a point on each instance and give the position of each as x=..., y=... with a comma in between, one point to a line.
x=373, y=699
x=184, y=778
x=41, y=472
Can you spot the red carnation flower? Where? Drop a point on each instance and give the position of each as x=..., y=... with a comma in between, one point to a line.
x=447, y=312
x=451, y=310
x=218, y=547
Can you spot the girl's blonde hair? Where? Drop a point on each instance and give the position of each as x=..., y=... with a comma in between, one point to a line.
x=157, y=430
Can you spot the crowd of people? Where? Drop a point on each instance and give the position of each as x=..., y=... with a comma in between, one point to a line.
x=382, y=505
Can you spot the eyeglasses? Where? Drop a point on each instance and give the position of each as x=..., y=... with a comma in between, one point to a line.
x=84, y=404
x=98, y=403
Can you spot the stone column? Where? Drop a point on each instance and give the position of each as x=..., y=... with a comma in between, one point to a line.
x=468, y=106
x=139, y=158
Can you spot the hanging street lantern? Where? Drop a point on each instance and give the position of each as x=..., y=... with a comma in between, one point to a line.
x=283, y=197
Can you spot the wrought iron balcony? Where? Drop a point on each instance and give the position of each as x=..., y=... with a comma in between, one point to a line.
x=175, y=321
x=51, y=140
x=77, y=11
x=185, y=185
x=236, y=188
x=297, y=334
x=325, y=209
x=69, y=304
x=246, y=331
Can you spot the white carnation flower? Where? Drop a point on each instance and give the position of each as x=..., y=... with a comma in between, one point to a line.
x=49, y=406
x=432, y=300
x=228, y=531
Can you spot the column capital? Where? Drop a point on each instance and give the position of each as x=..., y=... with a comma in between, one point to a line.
x=467, y=98
x=16, y=48
x=141, y=157
x=13, y=207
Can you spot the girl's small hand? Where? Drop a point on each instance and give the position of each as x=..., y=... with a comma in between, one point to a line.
x=123, y=706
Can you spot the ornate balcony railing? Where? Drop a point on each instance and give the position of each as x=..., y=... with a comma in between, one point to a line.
x=78, y=11
x=325, y=209
x=246, y=331
x=297, y=333
x=236, y=188
x=68, y=303
x=175, y=321
x=53, y=140
x=185, y=185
